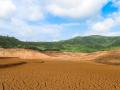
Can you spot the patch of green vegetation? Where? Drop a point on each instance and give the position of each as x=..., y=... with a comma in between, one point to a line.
x=78, y=44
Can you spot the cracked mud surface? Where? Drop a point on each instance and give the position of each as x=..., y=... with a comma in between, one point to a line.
x=58, y=75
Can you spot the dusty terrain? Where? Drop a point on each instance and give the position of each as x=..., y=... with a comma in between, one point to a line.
x=31, y=54
x=59, y=75
x=59, y=71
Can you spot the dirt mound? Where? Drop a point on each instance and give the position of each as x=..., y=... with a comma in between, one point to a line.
x=22, y=53
x=69, y=56
x=31, y=54
x=111, y=57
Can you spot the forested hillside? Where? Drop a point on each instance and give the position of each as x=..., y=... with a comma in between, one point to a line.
x=77, y=44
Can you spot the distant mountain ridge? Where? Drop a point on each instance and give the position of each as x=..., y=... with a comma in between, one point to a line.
x=78, y=44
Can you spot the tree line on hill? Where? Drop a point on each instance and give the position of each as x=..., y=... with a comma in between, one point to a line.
x=78, y=44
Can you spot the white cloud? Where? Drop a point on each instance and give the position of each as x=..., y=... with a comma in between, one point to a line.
x=29, y=10
x=6, y=7
x=49, y=31
x=108, y=26
x=75, y=8
x=103, y=26
x=36, y=11
x=25, y=31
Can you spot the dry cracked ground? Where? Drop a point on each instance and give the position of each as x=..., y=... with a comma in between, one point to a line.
x=17, y=74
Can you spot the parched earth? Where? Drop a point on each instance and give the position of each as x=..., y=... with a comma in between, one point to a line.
x=22, y=69
x=58, y=75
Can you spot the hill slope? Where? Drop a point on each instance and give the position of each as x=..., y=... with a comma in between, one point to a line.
x=77, y=44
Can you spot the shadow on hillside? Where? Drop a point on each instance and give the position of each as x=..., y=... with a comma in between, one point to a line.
x=39, y=62
x=12, y=64
x=109, y=63
x=9, y=58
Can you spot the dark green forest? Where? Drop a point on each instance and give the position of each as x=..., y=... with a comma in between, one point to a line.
x=78, y=44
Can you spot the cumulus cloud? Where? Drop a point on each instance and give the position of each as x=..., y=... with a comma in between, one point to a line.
x=28, y=18
x=29, y=10
x=104, y=25
x=36, y=9
x=6, y=8
x=107, y=26
x=24, y=31
x=42, y=32
x=75, y=8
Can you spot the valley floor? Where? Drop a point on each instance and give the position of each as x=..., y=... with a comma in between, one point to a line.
x=59, y=75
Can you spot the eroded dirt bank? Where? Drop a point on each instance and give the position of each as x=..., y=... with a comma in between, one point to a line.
x=54, y=71
x=22, y=53
x=31, y=54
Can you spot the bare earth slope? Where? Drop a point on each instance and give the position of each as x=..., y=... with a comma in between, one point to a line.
x=22, y=53
x=31, y=54
x=22, y=69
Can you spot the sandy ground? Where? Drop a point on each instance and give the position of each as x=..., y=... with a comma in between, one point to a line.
x=57, y=75
x=65, y=56
x=22, y=69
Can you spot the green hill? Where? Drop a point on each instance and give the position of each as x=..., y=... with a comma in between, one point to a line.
x=78, y=44
x=9, y=42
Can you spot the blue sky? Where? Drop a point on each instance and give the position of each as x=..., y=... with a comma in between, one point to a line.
x=53, y=20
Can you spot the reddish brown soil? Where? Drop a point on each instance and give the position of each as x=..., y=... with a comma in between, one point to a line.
x=60, y=75
x=57, y=71
x=31, y=54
